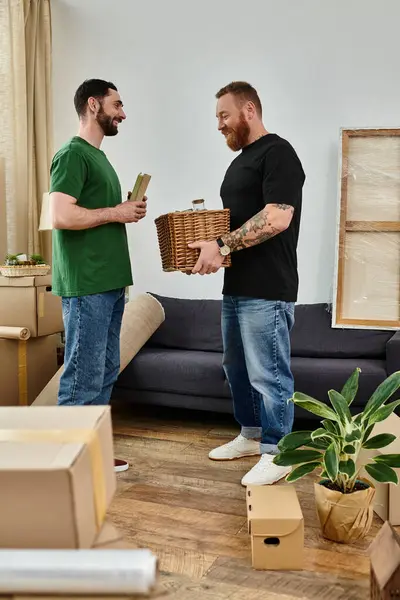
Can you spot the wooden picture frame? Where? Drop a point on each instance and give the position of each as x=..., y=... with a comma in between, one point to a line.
x=367, y=266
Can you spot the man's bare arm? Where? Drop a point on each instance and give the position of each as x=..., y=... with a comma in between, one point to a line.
x=266, y=224
x=66, y=214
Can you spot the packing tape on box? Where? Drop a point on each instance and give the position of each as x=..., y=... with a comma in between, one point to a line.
x=41, y=305
x=73, y=436
x=22, y=374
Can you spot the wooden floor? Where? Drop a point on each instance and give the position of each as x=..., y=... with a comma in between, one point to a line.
x=191, y=512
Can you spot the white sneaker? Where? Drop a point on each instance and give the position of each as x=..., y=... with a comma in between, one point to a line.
x=120, y=465
x=265, y=472
x=237, y=448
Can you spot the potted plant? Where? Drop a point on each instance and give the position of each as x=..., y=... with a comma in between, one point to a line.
x=22, y=265
x=343, y=497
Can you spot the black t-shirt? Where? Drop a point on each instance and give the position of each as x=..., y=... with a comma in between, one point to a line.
x=268, y=171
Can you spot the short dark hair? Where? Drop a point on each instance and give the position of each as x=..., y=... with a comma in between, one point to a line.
x=243, y=92
x=96, y=88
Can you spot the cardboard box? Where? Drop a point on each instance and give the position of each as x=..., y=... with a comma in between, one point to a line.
x=29, y=302
x=387, y=496
x=26, y=367
x=276, y=526
x=57, y=475
x=109, y=537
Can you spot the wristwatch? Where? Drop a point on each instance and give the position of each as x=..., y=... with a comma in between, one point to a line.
x=223, y=248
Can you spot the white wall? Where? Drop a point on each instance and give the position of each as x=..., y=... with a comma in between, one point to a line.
x=318, y=66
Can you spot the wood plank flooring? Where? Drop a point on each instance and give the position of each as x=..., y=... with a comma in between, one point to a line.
x=191, y=512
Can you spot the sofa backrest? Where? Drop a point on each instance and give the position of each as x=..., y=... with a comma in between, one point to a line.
x=314, y=337
x=189, y=325
x=196, y=325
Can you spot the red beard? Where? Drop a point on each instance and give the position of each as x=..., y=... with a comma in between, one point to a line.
x=237, y=138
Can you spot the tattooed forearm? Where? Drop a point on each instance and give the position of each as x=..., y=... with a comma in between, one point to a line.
x=260, y=228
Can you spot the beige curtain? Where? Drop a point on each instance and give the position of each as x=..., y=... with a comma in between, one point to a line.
x=26, y=133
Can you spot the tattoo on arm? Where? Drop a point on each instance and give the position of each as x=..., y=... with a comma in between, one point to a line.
x=284, y=206
x=256, y=230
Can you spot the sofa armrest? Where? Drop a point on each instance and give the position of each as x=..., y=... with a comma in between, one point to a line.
x=393, y=354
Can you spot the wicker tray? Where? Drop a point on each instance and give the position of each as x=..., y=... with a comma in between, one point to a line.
x=24, y=270
x=177, y=229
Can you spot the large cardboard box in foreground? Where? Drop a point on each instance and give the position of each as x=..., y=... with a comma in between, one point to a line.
x=387, y=496
x=276, y=526
x=26, y=367
x=29, y=302
x=57, y=475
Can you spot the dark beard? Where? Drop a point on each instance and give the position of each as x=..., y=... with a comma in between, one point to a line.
x=106, y=123
x=238, y=138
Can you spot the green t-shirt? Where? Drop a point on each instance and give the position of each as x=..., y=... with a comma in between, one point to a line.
x=96, y=260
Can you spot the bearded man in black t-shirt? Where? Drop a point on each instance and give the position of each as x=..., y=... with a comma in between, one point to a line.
x=263, y=190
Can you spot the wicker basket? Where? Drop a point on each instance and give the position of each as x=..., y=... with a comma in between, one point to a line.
x=24, y=270
x=177, y=229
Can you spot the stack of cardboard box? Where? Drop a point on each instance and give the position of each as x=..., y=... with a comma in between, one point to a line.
x=28, y=362
x=57, y=482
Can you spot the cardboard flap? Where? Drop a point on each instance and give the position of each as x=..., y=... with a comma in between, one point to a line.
x=34, y=281
x=273, y=510
x=385, y=554
x=274, y=527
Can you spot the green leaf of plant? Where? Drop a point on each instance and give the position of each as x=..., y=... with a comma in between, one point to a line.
x=348, y=467
x=357, y=419
x=294, y=440
x=302, y=470
x=367, y=433
x=296, y=457
x=331, y=462
x=353, y=436
x=324, y=475
x=331, y=427
x=382, y=393
x=379, y=441
x=319, y=444
x=350, y=388
x=384, y=412
x=322, y=433
x=392, y=460
x=348, y=449
x=382, y=473
x=340, y=405
x=314, y=406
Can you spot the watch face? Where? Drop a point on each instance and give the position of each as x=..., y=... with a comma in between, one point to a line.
x=225, y=250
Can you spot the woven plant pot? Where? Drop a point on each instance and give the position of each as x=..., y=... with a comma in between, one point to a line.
x=24, y=270
x=177, y=229
x=345, y=518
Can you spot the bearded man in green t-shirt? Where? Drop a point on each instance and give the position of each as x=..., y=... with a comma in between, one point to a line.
x=91, y=264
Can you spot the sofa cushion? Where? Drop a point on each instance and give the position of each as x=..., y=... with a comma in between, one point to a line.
x=189, y=325
x=316, y=377
x=312, y=336
x=176, y=371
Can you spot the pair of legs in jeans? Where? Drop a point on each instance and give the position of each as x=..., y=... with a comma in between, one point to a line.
x=256, y=337
x=92, y=350
x=92, y=347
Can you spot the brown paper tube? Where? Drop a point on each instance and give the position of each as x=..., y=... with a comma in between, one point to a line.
x=15, y=333
x=142, y=317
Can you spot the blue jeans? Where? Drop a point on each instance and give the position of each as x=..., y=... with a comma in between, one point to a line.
x=92, y=351
x=256, y=338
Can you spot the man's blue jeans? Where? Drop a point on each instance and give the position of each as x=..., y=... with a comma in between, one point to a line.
x=256, y=337
x=92, y=347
